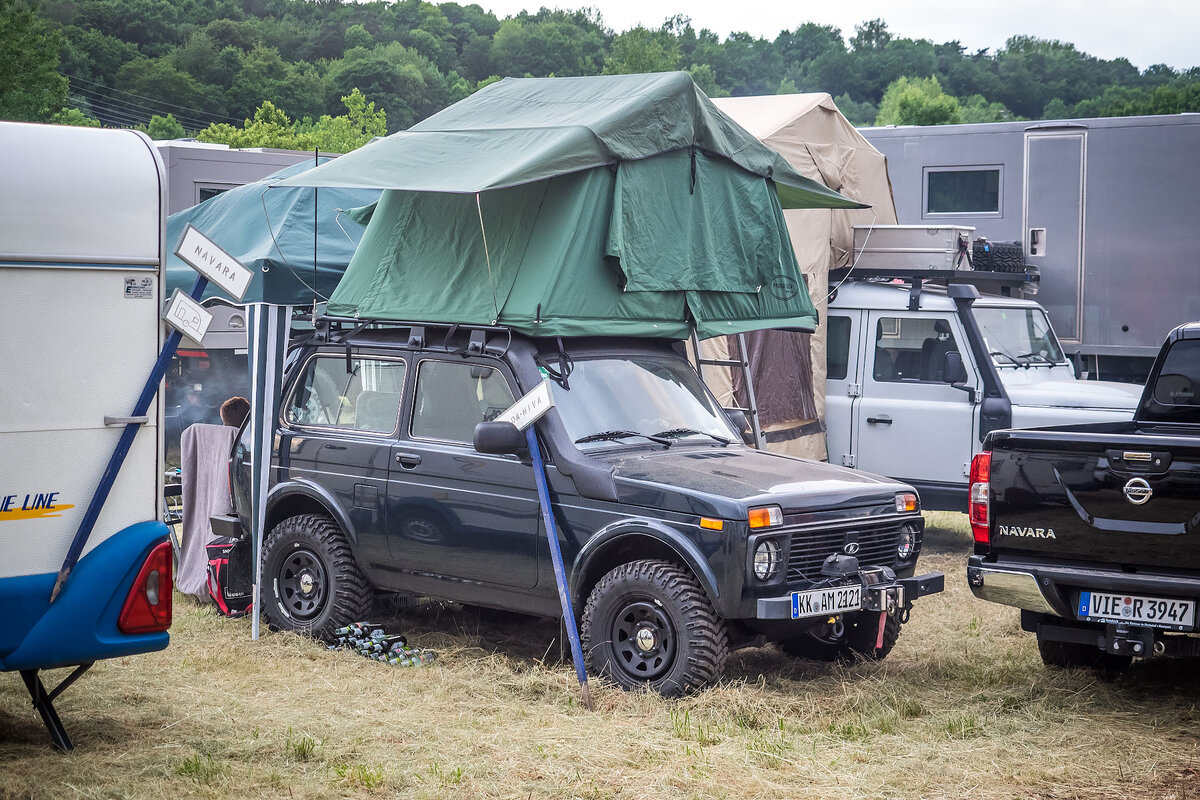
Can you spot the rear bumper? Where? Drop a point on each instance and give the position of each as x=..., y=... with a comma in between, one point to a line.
x=892, y=595
x=1051, y=589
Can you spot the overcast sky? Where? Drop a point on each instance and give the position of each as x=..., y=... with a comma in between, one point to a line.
x=1144, y=31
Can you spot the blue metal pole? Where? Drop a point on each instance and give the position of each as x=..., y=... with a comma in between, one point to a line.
x=122, y=450
x=560, y=574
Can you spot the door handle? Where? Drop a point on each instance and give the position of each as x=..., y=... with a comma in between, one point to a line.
x=879, y=420
x=334, y=447
x=408, y=460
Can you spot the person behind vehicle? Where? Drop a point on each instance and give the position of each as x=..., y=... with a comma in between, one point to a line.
x=234, y=411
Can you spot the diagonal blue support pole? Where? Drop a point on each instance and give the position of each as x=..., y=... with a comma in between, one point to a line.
x=560, y=574
x=122, y=450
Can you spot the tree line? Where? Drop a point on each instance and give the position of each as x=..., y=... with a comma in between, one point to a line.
x=327, y=72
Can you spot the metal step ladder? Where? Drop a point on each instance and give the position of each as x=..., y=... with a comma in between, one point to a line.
x=742, y=362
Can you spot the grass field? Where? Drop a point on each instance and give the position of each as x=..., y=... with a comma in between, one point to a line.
x=962, y=708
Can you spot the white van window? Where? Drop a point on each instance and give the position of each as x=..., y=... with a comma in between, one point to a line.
x=912, y=349
x=837, y=348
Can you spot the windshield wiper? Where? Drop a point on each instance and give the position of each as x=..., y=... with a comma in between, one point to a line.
x=1011, y=358
x=1038, y=356
x=690, y=432
x=613, y=435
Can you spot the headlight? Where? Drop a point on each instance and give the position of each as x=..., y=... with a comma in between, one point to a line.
x=765, y=517
x=908, y=543
x=907, y=502
x=766, y=559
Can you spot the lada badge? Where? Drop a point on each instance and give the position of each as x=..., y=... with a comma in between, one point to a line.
x=1138, y=491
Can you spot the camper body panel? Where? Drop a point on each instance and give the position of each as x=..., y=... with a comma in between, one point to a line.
x=1103, y=207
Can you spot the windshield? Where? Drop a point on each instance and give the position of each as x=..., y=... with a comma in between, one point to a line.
x=1019, y=336
x=636, y=397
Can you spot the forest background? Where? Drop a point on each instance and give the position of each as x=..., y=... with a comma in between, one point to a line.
x=325, y=73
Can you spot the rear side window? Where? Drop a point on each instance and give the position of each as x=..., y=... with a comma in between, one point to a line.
x=363, y=395
x=453, y=397
x=837, y=350
x=912, y=349
x=1178, y=382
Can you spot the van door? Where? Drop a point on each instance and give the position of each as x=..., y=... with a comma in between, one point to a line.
x=843, y=383
x=454, y=512
x=1054, y=208
x=908, y=423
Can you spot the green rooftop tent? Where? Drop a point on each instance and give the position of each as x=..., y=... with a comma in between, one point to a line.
x=271, y=232
x=612, y=205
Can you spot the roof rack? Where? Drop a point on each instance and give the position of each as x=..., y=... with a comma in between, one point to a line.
x=340, y=330
x=1001, y=283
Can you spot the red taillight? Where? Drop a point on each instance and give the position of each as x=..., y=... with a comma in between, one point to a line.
x=147, y=608
x=977, y=510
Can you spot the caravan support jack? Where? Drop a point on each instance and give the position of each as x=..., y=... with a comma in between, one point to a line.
x=43, y=701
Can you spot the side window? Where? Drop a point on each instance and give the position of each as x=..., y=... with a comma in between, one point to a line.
x=1178, y=382
x=962, y=190
x=453, y=397
x=912, y=349
x=365, y=398
x=837, y=348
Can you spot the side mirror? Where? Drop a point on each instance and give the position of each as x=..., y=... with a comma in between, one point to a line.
x=953, y=370
x=740, y=423
x=499, y=439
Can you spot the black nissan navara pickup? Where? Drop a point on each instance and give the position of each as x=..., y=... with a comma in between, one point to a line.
x=680, y=541
x=1093, y=531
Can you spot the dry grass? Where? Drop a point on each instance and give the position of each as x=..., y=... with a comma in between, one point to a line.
x=962, y=708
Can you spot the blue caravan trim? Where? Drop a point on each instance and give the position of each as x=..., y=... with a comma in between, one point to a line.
x=81, y=625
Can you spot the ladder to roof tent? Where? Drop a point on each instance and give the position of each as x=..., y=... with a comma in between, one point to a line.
x=742, y=363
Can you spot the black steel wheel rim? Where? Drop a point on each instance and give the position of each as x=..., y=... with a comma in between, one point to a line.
x=302, y=584
x=643, y=640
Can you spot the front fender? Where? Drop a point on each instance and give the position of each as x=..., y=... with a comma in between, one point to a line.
x=622, y=532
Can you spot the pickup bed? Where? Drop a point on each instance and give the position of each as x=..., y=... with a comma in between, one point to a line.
x=1093, y=531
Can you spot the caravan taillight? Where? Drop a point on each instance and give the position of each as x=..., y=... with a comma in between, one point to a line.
x=980, y=500
x=148, y=606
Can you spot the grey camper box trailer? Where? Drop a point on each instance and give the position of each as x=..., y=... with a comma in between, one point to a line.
x=1105, y=208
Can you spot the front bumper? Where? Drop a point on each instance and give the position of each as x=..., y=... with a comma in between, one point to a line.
x=882, y=591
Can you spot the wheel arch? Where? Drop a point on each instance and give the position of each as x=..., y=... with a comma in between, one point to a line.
x=636, y=540
x=300, y=497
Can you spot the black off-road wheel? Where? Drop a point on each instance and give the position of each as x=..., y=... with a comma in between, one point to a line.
x=650, y=624
x=832, y=642
x=1071, y=655
x=311, y=583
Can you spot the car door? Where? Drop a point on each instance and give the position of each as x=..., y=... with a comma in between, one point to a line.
x=454, y=512
x=842, y=381
x=341, y=419
x=909, y=423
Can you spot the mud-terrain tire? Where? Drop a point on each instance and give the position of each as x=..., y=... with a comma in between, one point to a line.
x=857, y=638
x=998, y=256
x=311, y=583
x=1071, y=655
x=649, y=624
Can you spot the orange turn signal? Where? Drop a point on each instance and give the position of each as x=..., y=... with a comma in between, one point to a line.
x=711, y=524
x=765, y=517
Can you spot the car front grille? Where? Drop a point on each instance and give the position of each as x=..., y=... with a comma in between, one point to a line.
x=877, y=543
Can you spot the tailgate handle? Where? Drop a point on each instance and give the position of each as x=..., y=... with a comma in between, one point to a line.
x=879, y=420
x=408, y=460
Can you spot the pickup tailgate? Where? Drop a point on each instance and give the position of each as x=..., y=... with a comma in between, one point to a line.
x=1111, y=494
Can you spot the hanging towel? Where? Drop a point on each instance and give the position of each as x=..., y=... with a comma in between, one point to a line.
x=204, y=456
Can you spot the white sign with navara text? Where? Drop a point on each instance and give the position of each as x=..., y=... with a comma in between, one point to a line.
x=530, y=408
x=203, y=255
x=187, y=316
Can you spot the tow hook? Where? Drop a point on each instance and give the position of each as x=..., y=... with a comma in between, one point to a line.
x=1127, y=640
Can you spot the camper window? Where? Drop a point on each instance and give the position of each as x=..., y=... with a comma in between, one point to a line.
x=962, y=190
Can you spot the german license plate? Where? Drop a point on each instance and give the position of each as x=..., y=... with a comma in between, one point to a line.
x=816, y=602
x=1155, y=612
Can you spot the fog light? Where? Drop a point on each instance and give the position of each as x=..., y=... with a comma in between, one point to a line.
x=766, y=559
x=908, y=543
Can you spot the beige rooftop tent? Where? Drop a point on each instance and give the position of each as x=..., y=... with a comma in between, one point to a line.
x=788, y=369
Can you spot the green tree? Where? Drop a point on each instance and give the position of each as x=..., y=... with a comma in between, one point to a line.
x=400, y=80
x=358, y=36
x=165, y=128
x=641, y=50
x=1056, y=109
x=863, y=113
x=270, y=127
x=30, y=87
x=73, y=116
x=917, y=101
x=703, y=75
x=976, y=108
